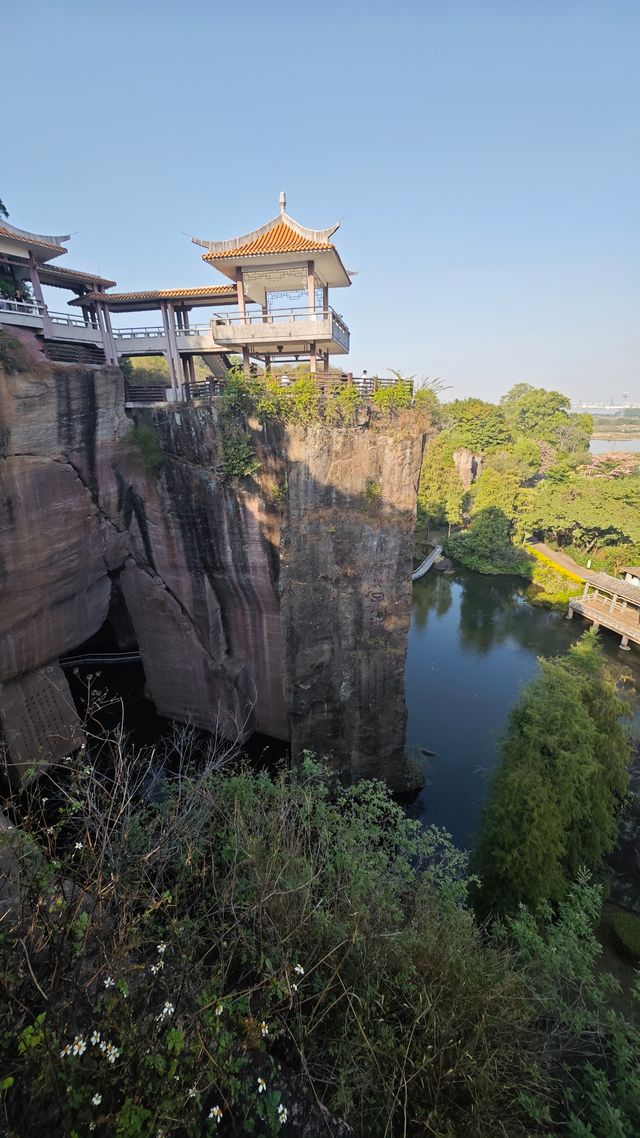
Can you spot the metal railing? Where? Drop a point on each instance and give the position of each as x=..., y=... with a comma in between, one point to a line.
x=21, y=307
x=204, y=389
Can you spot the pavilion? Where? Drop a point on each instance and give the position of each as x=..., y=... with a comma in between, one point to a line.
x=283, y=259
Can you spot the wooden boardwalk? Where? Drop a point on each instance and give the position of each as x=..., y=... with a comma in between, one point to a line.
x=610, y=607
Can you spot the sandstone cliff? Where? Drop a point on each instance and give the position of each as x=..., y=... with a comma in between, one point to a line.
x=278, y=602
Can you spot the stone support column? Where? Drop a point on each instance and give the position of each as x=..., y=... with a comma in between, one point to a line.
x=173, y=372
x=110, y=338
x=240, y=287
x=246, y=360
x=311, y=284
x=39, y=297
x=313, y=358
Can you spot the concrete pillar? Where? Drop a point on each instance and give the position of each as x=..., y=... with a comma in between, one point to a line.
x=39, y=297
x=173, y=373
x=585, y=591
x=313, y=358
x=325, y=299
x=185, y=319
x=240, y=287
x=267, y=362
x=246, y=360
x=113, y=350
x=613, y=603
x=311, y=283
x=192, y=369
x=624, y=644
x=109, y=349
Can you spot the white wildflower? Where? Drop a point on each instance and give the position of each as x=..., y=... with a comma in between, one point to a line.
x=79, y=1046
x=299, y=969
x=192, y=1092
x=219, y=1009
x=156, y=967
x=92, y=1126
x=262, y=1086
x=167, y=1010
x=96, y=1100
x=66, y=1050
x=161, y=948
x=95, y=1038
x=264, y=1028
x=283, y=1114
x=295, y=987
x=216, y=1113
x=109, y=982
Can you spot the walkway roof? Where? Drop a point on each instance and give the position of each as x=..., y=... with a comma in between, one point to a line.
x=206, y=296
x=608, y=584
x=59, y=277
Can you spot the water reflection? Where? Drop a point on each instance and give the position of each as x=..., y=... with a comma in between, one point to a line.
x=474, y=642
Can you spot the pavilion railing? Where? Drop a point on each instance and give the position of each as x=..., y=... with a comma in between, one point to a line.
x=21, y=307
x=281, y=315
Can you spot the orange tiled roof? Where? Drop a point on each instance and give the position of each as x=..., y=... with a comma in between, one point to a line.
x=280, y=239
x=158, y=294
x=31, y=238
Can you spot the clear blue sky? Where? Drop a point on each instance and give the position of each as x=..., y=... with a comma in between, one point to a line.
x=484, y=156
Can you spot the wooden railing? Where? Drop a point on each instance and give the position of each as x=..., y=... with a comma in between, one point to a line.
x=145, y=392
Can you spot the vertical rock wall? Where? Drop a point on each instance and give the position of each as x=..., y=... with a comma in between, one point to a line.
x=346, y=593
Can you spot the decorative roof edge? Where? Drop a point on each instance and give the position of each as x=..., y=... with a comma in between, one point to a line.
x=319, y=236
x=37, y=238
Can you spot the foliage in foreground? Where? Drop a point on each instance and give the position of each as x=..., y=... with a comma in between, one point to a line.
x=555, y=797
x=626, y=929
x=169, y=964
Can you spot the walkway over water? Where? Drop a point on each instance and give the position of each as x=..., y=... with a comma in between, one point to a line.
x=612, y=603
x=427, y=563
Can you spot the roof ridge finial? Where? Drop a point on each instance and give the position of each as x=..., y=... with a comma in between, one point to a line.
x=283, y=201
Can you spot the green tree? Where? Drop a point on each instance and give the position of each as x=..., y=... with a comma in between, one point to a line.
x=553, y=801
x=476, y=424
x=4, y=212
x=586, y=511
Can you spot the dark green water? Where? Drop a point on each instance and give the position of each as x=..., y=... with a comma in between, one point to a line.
x=474, y=643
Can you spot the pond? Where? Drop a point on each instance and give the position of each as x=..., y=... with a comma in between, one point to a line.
x=618, y=445
x=474, y=643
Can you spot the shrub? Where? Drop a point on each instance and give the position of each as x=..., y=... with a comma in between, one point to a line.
x=165, y=958
x=148, y=443
x=626, y=929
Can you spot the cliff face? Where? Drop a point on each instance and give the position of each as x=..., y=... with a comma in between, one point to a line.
x=278, y=603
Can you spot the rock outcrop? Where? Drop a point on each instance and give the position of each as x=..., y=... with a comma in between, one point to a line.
x=278, y=602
